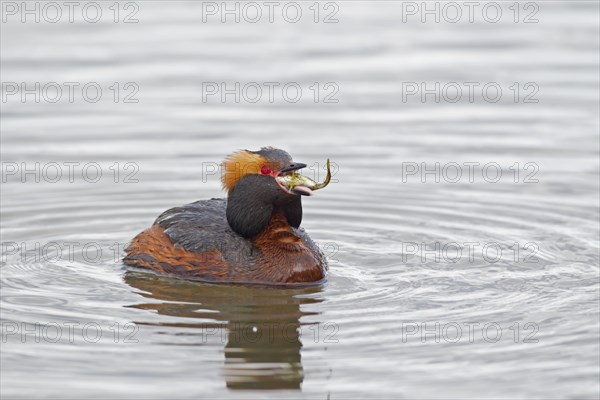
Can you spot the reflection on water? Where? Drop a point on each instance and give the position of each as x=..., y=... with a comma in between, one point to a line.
x=259, y=326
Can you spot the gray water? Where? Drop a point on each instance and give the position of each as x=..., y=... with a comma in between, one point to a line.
x=437, y=287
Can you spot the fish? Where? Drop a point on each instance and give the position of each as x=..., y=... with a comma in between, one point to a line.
x=295, y=183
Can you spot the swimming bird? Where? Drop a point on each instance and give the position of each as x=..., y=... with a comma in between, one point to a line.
x=253, y=236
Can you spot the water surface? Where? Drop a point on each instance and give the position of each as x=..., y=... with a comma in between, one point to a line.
x=403, y=314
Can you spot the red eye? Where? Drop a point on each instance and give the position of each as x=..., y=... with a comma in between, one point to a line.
x=265, y=170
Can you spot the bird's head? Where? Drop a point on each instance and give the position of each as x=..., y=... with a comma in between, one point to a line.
x=268, y=161
x=259, y=183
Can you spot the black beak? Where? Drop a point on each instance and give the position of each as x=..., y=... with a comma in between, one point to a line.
x=292, y=167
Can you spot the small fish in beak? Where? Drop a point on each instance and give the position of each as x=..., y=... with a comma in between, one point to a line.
x=294, y=183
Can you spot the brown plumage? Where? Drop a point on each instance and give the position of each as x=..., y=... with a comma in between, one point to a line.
x=252, y=237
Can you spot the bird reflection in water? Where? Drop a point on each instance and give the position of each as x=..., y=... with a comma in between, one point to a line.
x=262, y=325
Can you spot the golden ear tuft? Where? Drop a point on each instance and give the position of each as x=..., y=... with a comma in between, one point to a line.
x=238, y=165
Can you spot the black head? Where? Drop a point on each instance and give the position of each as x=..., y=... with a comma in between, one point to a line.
x=254, y=194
